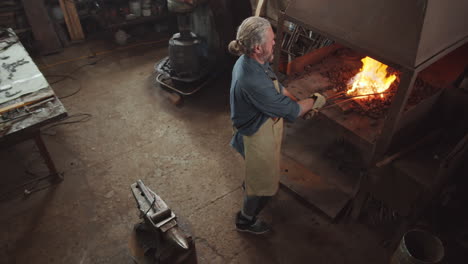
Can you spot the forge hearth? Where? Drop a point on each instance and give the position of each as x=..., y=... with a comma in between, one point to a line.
x=338, y=69
x=361, y=117
x=407, y=36
x=373, y=101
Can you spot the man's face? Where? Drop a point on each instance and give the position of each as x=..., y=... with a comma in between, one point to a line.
x=268, y=46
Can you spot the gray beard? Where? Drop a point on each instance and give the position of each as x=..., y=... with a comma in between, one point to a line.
x=267, y=58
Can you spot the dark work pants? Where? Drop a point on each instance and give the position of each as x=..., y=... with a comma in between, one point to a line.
x=253, y=205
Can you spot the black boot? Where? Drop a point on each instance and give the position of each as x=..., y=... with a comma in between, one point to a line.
x=254, y=226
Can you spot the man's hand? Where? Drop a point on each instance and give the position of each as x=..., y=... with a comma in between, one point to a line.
x=311, y=105
x=319, y=101
x=305, y=105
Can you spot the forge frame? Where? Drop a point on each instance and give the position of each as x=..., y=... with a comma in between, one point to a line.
x=373, y=140
x=396, y=117
x=361, y=130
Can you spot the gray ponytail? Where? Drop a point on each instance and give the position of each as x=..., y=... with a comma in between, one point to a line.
x=249, y=34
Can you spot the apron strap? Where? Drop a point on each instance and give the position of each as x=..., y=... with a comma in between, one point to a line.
x=277, y=87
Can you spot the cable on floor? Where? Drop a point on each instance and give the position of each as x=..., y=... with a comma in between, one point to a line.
x=79, y=118
x=64, y=77
x=69, y=76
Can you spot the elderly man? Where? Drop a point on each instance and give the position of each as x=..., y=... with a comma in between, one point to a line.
x=258, y=106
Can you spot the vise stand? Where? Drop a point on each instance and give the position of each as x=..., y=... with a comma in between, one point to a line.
x=158, y=236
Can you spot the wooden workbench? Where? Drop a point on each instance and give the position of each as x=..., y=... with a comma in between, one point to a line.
x=24, y=115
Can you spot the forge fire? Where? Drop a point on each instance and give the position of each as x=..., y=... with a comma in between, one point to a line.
x=371, y=80
x=357, y=83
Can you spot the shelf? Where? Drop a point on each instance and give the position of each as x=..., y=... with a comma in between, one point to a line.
x=62, y=21
x=10, y=9
x=140, y=20
x=22, y=30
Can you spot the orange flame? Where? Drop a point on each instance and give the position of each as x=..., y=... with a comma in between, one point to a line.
x=371, y=79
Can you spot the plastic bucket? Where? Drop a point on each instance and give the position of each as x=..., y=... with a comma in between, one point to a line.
x=418, y=247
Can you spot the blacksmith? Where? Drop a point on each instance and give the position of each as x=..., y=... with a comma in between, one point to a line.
x=259, y=104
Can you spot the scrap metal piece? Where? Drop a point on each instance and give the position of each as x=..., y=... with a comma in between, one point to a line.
x=39, y=103
x=6, y=89
x=8, y=94
x=11, y=67
x=21, y=116
x=157, y=214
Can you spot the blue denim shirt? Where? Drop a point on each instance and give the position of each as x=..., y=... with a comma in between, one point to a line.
x=254, y=99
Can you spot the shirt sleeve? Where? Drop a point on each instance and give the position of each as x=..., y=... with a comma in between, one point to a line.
x=266, y=99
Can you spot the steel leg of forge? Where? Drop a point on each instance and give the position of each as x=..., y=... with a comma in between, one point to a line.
x=390, y=126
x=47, y=158
x=408, y=77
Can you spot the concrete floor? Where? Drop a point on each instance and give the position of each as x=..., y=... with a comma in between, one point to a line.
x=182, y=153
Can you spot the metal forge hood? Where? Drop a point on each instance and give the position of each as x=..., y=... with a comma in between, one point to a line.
x=403, y=32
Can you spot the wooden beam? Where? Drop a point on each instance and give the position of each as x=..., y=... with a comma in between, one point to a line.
x=259, y=9
x=279, y=40
x=72, y=20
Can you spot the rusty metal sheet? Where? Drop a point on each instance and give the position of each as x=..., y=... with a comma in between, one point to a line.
x=309, y=173
x=313, y=188
x=403, y=32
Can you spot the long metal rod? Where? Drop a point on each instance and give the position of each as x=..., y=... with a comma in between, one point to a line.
x=335, y=104
x=336, y=95
x=349, y=98
x=369, y=94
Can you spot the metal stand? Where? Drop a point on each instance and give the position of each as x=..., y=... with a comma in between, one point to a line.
x=168, y=85
x=187, y=85
x=47, y=158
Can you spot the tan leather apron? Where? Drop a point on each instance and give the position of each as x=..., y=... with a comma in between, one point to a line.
x=262, y=157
